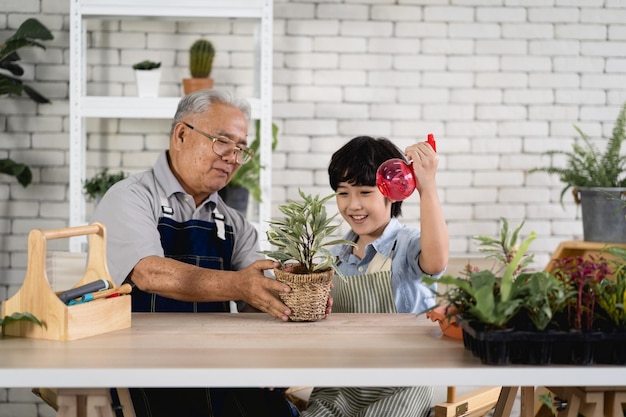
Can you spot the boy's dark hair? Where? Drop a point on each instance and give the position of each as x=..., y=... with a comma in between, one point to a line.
x=357, y=161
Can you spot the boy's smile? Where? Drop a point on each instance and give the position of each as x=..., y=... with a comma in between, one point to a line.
x=366, y=210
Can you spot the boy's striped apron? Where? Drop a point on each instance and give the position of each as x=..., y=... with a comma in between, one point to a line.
x=368, y=293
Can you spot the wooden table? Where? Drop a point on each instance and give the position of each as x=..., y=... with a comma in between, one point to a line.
x=237, y=350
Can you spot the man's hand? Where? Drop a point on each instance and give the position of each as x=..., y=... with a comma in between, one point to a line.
x=261, y=292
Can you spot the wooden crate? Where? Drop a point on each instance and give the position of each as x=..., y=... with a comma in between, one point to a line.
x=63, y=322
x=573, y=248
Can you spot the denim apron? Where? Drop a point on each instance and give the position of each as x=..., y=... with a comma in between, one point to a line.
x=371, y=292
x=197, y=242
x=208, y=245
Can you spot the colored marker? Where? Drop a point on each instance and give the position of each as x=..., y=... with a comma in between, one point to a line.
x=101, y=284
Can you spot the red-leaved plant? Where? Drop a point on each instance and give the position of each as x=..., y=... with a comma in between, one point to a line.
x=582, y=275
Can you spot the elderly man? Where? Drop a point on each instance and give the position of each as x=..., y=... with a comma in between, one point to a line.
x=172, y=237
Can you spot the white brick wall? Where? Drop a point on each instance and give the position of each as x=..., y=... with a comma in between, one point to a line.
x=497, y=85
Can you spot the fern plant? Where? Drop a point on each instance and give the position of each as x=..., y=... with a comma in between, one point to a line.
x=587, y=166
x=302, y=235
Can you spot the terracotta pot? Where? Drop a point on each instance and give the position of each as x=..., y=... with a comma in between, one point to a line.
x=194, y=84
x=309, y=293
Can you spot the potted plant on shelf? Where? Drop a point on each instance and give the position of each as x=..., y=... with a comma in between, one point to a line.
x=95, y=187
x=598, y=181
x=147, y=77
x=245, y=182
x=201, y=55
x=307, y=266
x=28, y=34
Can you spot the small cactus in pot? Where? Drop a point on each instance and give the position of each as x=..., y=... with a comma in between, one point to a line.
x=201, y=55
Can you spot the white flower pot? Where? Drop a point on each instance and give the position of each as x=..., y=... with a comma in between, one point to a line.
x=148, y=82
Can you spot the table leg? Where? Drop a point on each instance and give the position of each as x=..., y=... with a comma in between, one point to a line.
x=527, y=402
x=505, y=402
x=84, y=402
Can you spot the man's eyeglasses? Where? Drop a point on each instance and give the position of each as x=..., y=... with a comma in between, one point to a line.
x=223, y=146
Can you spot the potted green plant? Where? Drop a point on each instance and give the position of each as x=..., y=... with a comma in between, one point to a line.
x=201, y=55
x=245, y=182
x=147, y=77
x=612, y=292
x=541, y=317
x=485, y=296
x=95, y=187
x=28, y=34
x=301, y=246
x=598, y=181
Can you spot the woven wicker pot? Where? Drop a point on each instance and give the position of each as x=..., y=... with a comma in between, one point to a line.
x=309, y=293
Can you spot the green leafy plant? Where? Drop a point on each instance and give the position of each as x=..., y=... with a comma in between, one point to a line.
x=587, y=166
x=611, y=293
x=20, y=171
x=483, y=296
x=504, y=247
x=201, y=55
x=545, y=295
x=20, y=317
x=248, y=175
x=146, y=65
x=301, y=237
x=28, y=34
x=97, y=185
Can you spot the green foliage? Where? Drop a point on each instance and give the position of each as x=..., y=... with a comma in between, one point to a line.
x=97, y=185
x=587, y=166
x=26, y=35
x=491, y=300
x=20, y=317
x=301, y=235
x=248, y=175
x=20, y=171
x=146, y=65
x=546, y=399
x=494, y=300
x=504, y=247
x=201, y=56
x=544, y=296
x=612, y=292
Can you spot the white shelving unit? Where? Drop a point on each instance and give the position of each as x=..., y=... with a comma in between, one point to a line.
x=83, y=106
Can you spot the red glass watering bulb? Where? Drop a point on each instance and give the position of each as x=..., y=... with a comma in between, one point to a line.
x=395, y=178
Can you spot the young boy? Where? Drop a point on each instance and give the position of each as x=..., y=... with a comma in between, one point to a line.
x=383, y=275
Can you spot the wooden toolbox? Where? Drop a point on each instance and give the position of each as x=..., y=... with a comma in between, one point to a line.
x=61, y=321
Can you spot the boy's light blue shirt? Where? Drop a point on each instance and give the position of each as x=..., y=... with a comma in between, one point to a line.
x=410, y=294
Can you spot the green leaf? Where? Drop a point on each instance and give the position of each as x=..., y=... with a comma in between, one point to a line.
x=20, y=317
x=248, y=175
x=587, y=166
x=20, y=171
x=302, y=234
